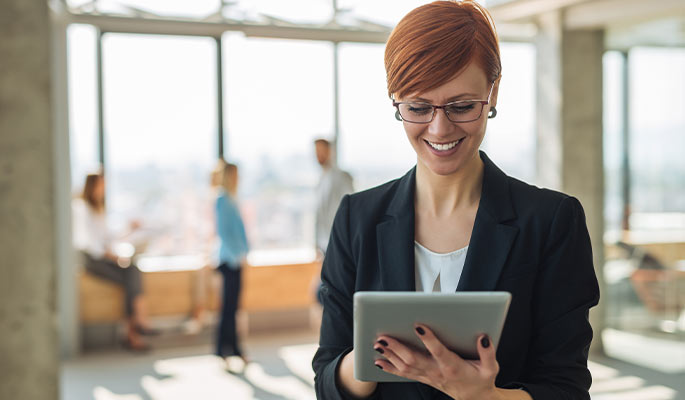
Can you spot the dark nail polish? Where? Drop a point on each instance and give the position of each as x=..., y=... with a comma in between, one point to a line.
x=383, y=343
x=378, y=349
x=485, y=342
x=420, y=330
x=378, y=366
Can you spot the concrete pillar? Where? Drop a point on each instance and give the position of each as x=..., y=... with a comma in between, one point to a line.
x=582, y=133
x=570, y=128
x=28, y=340
x=65, y=264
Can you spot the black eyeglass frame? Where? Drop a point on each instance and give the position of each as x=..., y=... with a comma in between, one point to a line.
x=483, y=103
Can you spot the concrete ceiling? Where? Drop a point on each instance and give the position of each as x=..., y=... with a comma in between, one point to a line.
x=628, y=23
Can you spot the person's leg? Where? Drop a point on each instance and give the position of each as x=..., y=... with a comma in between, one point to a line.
x=222, y=332
x=130, y=281
x=234, y=296
x=135, y=300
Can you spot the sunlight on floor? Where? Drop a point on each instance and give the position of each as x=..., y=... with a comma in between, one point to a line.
x=205, y=377
x=665, y=356
x=284, y=373
x=607, y=384
x=100, y=393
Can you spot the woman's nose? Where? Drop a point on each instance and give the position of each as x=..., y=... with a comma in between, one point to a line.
x=440, y=125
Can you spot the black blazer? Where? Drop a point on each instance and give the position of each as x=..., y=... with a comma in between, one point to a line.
x=528, y=241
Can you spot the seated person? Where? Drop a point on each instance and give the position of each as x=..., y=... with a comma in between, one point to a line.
x=93, y=241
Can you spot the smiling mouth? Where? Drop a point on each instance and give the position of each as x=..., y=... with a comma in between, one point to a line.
x=444, y=146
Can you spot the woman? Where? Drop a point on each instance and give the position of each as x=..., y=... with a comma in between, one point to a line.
x=495, y=233
x=93, y=240
x=232, y=253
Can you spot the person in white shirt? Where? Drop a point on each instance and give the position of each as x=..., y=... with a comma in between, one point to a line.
x=93, y=241
x=333, y=185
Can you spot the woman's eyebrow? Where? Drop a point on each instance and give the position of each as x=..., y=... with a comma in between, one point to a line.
x=467, y=96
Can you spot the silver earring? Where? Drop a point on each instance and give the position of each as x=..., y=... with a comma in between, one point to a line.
x=493, y=113
x=397, y=115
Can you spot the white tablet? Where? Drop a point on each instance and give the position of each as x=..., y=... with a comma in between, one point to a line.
x=456, y=318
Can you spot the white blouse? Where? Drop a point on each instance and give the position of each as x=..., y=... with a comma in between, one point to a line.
x=438, y=272
x=90, y=229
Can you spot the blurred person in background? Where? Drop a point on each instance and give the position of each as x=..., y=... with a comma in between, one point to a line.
x=456, y=222
x=232, y=259
x=334, y=183
x=94, y=242
x=202, y=278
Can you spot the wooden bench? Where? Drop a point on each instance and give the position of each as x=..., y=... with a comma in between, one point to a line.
x=170, y=293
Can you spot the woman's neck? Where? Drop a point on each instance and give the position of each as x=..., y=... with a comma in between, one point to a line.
x=442, y=195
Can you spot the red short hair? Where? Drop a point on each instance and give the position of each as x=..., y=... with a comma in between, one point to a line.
x=436, y=41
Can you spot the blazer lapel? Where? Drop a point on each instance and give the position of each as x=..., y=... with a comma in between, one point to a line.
x=491, y=240
x=395, y=238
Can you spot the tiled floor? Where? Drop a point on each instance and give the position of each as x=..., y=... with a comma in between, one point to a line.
x=281, y=369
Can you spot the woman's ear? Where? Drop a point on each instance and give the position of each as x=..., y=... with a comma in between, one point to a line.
x=495, y=91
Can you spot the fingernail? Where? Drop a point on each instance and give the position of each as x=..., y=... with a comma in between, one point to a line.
x=420, y=330
x=485, y=342
x=378, y=349
x=378, y=366
x=383, y=343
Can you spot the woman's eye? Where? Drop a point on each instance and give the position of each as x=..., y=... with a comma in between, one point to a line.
x=419, y=109
x=460, y=108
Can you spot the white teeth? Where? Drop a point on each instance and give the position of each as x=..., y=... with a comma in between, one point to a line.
x=443, y=147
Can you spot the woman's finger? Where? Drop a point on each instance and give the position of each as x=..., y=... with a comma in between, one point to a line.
x=442, y=355
x=487, y=354
x=391, y=362
x=407, y=355
x=387, y=367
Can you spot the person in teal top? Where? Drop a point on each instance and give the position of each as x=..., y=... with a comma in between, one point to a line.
x=232, y=253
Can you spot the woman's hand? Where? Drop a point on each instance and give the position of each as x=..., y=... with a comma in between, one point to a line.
x=440, y=367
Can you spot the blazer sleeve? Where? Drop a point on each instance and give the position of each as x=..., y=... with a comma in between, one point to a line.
x=565, y=291
x=338, y=276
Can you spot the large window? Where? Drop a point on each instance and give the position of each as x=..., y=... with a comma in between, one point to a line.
x=372, y=146
x=279, y=98
x=644, y=272
x=160, y=138
x=657, y=138
x=510, y=139
x=82, y=103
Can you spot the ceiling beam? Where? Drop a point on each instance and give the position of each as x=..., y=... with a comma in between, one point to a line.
x=605, y=13
x=162, y=26
x=526, y=10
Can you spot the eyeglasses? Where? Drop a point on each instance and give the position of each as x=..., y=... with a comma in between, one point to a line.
x=456, y=111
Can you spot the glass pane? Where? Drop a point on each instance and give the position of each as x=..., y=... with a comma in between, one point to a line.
x=510, y=138
x=83, y=130
x=613, y=145
x=372, y=145
x=644, y=270
x=657, y=122
x=279, y=98
x=161, y=135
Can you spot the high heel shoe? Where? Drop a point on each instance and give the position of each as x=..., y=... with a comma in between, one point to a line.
x=139, y=347
x=147, y=331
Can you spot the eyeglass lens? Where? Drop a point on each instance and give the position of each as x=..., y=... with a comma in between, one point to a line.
x=463, y=111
